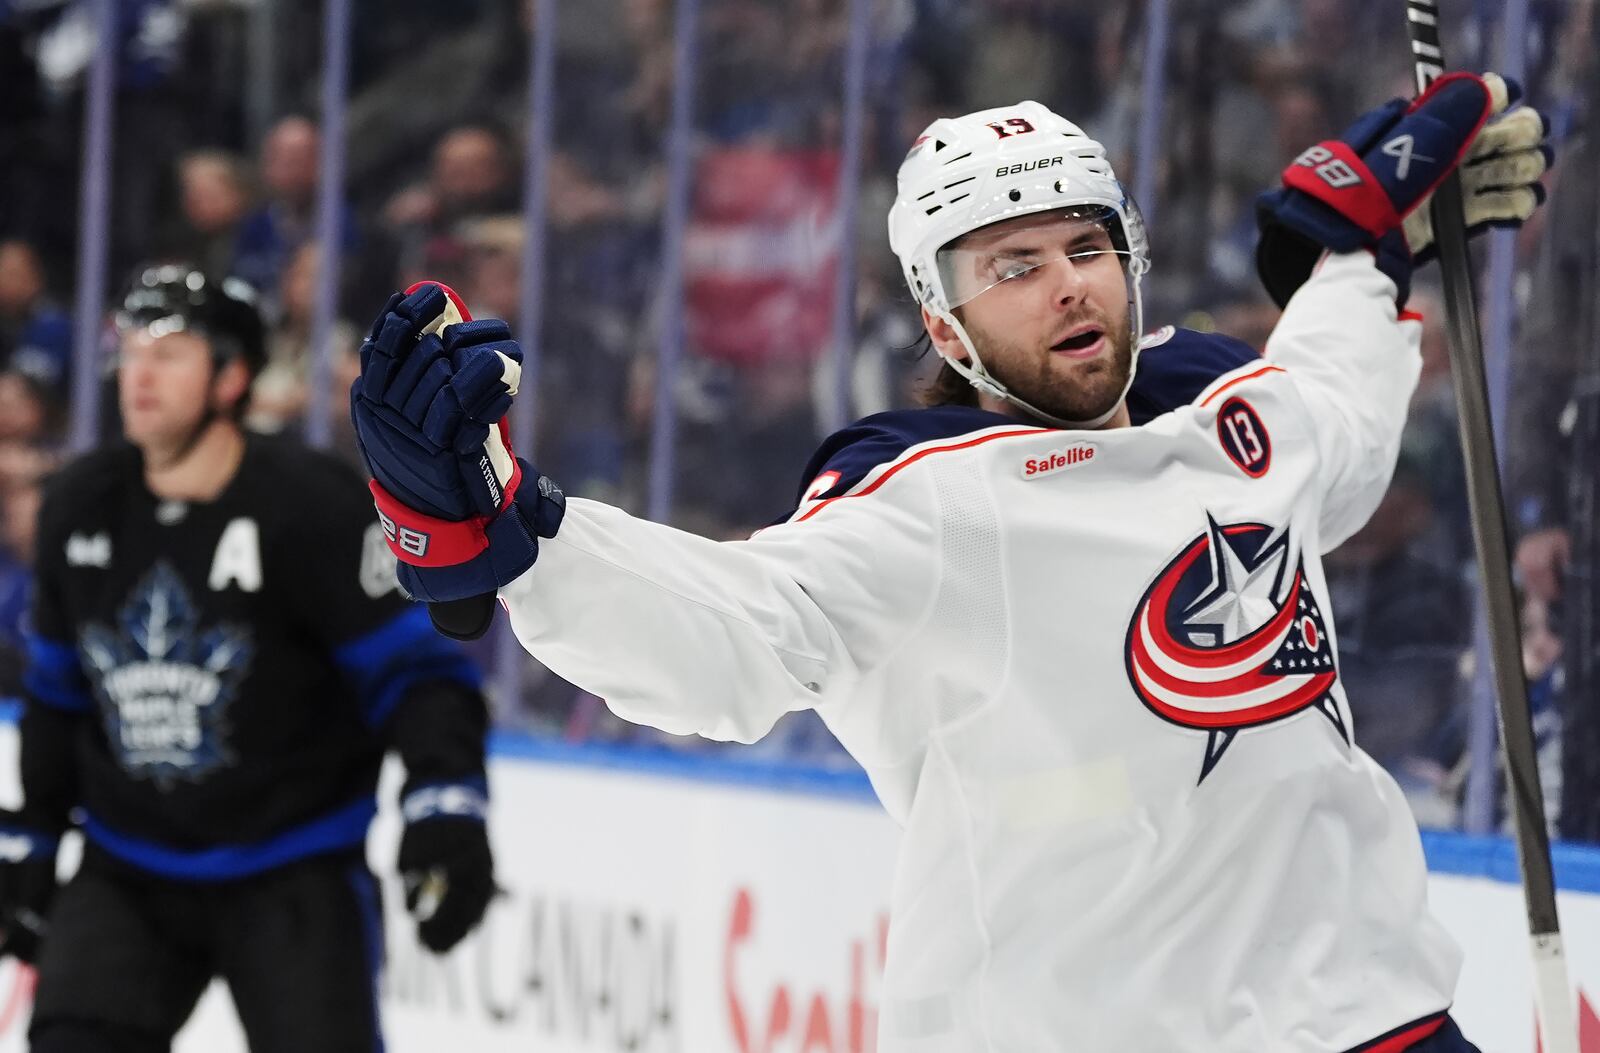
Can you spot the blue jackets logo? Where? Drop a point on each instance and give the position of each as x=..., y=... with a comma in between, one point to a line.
x=164, y=684
x=1230, y=636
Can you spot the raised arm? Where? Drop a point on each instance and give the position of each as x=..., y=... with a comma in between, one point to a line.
x=722, y=638
x=686, y=634
x=1338, y=243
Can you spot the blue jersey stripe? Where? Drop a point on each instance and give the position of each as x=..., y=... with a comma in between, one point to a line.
x=385, y=695
x=365, y=888
x=341, y=829
x=399, y=654
x=394, y=637
x=55, y=677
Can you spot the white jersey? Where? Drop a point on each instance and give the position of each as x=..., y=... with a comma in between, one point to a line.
x=1092, y=675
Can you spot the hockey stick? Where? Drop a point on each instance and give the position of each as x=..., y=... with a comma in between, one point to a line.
x=1551, y=990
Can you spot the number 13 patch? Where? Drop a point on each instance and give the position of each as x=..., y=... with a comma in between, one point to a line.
x=1244, y=437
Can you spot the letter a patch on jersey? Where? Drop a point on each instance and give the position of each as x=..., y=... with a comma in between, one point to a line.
x=238, y=558
x=1230, y=635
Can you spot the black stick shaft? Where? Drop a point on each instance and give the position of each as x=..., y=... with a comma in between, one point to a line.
x=1488, y=510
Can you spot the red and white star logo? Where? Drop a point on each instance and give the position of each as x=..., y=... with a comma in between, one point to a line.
x=1230, y=635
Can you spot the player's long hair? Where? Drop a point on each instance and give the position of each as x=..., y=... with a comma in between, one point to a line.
x=946, y=387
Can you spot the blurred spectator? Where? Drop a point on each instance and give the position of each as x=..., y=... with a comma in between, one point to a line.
x=1251, y=320
x=155, y=107
x=475, y=66
x=1401, y=624
x=583, y=350
x=1400, y=590
x=19, y=513
x=278, y=399
x=286, y=217
x=472, y=177
x=216, y=193
x=1553, y=451
x=1038, y=49
x=778, y=68
x=27, y=414
x=492, y=284
x=35, y=334
x=1434, y=437
x=1542, y=649
x=21, y=117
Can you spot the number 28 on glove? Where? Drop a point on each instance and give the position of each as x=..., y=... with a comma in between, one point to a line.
x=430, y=415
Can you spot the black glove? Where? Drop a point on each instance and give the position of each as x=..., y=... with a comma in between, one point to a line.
x=27, y=886
x=445, y=862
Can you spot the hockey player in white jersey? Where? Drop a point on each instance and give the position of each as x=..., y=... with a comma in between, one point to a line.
x=1075, y=632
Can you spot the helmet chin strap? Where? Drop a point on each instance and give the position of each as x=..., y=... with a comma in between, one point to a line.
x=988, y=384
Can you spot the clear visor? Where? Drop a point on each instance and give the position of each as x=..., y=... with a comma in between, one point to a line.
x=1013, y=250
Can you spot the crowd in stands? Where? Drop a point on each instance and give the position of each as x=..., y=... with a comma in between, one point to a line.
x=436, y=142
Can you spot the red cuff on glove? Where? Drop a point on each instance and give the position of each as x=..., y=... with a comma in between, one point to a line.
x=425, y=541
x=1332, y=173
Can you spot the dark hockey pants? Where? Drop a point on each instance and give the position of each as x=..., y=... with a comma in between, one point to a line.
x=128, y=955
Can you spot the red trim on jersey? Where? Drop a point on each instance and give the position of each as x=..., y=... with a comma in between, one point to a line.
x=1405, y=1038
x=879, y=481
x=1240, y=380
x=1411, y=316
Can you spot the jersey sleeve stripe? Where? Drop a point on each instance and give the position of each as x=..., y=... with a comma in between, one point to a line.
x=1258, y=371
x=54, y=676
x=464, y=799
x=399, y=654
x=871, y=483
x=382, y=700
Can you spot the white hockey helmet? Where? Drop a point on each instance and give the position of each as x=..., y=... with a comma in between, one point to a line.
x=967, y=172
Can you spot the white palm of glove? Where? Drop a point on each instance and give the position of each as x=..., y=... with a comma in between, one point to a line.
x=1499, y=174
x=500, y=458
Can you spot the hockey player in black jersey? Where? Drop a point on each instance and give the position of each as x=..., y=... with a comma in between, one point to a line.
x=220, y=660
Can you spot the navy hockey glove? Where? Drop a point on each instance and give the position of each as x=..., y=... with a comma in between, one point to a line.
x=1360, y=190
x=445, y=863
x=429, y=411
x=27, y=886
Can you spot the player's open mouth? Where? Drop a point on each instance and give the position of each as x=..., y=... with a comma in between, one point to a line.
x=1081, y=344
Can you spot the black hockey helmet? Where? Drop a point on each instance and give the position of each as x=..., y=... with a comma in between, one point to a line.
x=179, y=297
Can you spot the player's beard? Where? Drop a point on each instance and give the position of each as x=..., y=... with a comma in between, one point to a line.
x=1065, y=388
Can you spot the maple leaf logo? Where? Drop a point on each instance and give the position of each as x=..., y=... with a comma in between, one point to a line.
x=164, y=683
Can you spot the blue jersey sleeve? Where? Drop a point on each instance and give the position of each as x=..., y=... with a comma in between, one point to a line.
x=1176, y=365
x=846, y=456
